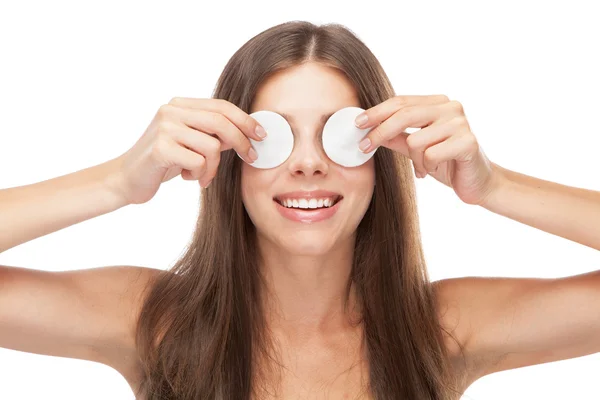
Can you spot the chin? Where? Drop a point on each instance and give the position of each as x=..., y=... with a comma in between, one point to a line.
x=308, y=244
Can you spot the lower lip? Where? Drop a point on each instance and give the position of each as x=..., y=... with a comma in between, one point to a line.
x=307, y=216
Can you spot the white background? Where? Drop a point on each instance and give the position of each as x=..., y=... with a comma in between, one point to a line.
x=80, y=81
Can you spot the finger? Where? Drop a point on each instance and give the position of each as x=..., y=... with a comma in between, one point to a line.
x=187, y=175
x=382, y=111
x=217, y=124
x=420, y=141
x=414, y=116
x=186, y=158
x=242, y=120
x=398, y=143
x=461, y=145
x=203, y=144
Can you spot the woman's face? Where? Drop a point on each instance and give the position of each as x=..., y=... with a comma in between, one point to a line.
x=307, y=94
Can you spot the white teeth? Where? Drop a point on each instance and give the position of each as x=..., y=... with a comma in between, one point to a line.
x=306, y=203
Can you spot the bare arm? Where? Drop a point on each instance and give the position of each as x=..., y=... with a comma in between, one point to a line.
x=507, y=323
x=569, y=212
x=88, y=314
x=31, y=211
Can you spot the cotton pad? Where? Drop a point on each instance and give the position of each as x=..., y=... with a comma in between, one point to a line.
x=277, y=146
x=341, y=138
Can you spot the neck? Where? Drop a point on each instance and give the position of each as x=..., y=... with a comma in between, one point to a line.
x=306, y=295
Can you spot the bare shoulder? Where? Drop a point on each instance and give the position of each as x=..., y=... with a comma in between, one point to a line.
x=119, y=291
x=88, y=314
x=505, y=323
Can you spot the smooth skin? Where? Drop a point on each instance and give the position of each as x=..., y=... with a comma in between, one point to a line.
x=502, y=323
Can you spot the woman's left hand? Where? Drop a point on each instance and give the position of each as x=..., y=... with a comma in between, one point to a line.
x=444, y=147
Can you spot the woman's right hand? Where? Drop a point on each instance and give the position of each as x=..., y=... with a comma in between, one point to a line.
x=186, y=136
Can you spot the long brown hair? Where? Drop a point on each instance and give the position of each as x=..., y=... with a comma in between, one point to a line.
x=201, y=328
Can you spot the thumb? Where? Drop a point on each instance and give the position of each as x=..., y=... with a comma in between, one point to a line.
x=171, y=173
x=398, y=143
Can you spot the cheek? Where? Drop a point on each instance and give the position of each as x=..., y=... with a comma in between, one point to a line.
x=359, y=178
x=256, y=187
x=249, y=184
x=358, y=183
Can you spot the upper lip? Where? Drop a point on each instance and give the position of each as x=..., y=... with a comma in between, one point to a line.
x=313, y=194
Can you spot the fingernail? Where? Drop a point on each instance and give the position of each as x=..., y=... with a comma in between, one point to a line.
x=361, y=119
x=252, y=154
x=364, y=145
x=208, y=184
x=260, y=131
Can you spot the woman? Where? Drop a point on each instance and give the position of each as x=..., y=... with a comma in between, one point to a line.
x=263, y=306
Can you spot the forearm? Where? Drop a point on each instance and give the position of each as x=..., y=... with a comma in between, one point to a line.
x=31, y=211
x=565, y=211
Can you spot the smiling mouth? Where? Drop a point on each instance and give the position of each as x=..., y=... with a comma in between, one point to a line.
x=306, y=207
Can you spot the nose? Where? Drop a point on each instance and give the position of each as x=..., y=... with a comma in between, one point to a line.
x=308, y=157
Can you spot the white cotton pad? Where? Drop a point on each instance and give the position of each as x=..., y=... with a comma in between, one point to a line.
x=341, y=138
x=277, y=146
